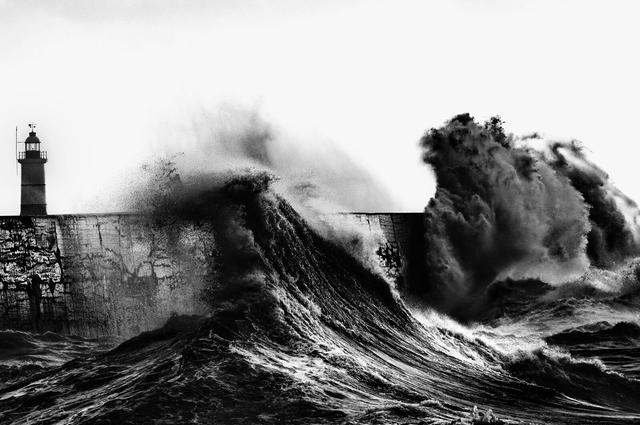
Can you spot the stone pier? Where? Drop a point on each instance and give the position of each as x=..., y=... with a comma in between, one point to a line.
x=119, y=274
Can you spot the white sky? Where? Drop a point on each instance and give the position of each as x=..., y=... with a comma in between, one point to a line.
x=112, y=83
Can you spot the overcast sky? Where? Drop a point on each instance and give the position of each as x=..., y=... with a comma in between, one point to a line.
x=113, y=83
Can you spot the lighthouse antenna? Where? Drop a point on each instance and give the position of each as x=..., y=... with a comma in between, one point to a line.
x=16, y=150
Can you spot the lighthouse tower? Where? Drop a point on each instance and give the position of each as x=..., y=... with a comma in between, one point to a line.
x=32, y=159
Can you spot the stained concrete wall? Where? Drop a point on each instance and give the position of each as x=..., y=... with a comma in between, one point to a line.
x=402, y=240
x=119, y=274
x=97, y=275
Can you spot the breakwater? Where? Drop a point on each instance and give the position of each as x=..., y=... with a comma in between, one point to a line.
x=98, y=275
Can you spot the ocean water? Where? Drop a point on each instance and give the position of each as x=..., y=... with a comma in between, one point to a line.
x=302, y=332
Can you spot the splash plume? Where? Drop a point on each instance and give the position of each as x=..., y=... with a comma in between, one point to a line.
x=614, y=217
x=499, y=211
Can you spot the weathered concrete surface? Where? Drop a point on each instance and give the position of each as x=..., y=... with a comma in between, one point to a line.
x=97, y=275
x=403, y=239
x=120, y=274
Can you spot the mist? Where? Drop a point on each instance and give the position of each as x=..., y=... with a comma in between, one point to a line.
x=313, y=174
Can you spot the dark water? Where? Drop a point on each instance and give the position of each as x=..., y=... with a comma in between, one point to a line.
x=301, y=332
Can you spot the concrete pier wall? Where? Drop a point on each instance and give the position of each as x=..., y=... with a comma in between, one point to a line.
x=403, y=235
x=120, y=274
x=97, y=275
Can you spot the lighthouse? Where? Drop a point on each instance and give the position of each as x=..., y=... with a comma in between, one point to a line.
x=32, y=195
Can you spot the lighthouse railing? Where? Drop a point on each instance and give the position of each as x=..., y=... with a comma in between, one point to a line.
x=32, y=155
